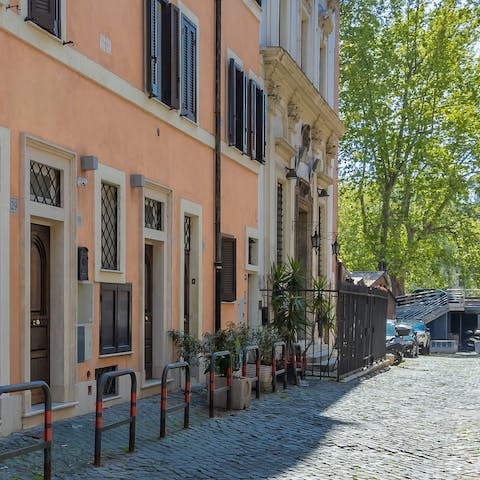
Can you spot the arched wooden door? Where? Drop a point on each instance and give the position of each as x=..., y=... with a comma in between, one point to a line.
x=39, y=307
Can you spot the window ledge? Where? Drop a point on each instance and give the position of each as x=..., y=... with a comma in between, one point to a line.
x=119, y=354
x=49, y=34
x=40, y=408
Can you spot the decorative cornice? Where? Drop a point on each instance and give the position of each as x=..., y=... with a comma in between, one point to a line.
x=281, y=69
x=284, y=149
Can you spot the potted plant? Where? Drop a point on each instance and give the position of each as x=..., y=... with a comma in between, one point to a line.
x=288, y=300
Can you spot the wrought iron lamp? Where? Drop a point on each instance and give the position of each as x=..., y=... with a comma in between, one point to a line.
x=336, y=248
x=316, y=242
x=291, y=173
x=322, y=192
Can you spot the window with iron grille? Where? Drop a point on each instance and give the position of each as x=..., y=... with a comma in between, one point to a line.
x=279, y=223
x=111, y=385
x=153, y=214
x=229, y=270
x=46, y=14
x=44, y=184
x=109, y=227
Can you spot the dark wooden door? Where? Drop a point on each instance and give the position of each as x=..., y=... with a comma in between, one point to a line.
x=186, y=277
x=39, y=307
x=148, y=311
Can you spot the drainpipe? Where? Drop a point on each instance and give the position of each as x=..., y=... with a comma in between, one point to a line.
x=218, y=159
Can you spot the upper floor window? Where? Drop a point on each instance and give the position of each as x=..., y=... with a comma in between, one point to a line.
x=165, y=80
x=46, y=14
x=246, y=113
x=109, y=227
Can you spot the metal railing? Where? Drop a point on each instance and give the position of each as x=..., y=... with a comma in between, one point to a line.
x=256, y=378
x=275, y=372
x=46, y=445
x=99, y=427
x=163, y=403
x=228, y=388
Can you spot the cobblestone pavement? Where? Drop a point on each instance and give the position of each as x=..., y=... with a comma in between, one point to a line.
x=416, y=421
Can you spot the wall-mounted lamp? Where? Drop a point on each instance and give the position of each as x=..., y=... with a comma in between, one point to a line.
x=291, y=173
x=316, y=242
x=137, y=180
x=336, y=248
x=322, y=192
x=89, y=162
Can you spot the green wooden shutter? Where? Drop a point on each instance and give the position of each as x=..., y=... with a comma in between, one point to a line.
x=108, y=301
x=231, y=101
x=46, y=14
x=261, y=125
x=252, y=119
x=170, y=55
x=123, y=328
x=151, y=50
x=189, y=69
x=229, y=270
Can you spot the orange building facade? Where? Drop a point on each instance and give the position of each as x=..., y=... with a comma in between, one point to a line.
x=111, y=231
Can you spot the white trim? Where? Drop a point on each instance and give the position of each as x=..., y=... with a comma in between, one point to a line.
x=79, y=63
x=63, y=265
x=251, y=233
x=193, y=210
x=255, y=8
x=117, y=178
x=162, y=284
x=5, y=255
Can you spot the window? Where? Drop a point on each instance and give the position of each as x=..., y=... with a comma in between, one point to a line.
x=163, y=77
x=153, y=214
x=109, y=227
x=189, y=69
x=246, y=113
x=46, y=14
x=115, y=318
x=229, y=270
x=44, y=184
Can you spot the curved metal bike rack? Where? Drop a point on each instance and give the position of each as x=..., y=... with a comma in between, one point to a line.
x=46, y=445
x=99, y=427
x=163, y=404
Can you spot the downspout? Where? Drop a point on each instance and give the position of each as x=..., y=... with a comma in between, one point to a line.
x=218, y=159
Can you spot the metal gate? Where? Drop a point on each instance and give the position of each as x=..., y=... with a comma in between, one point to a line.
x=361, y=323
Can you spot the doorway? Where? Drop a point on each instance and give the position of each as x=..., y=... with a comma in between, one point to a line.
x=39, y=307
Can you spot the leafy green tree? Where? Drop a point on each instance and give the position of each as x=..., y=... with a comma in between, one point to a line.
x=409, y=163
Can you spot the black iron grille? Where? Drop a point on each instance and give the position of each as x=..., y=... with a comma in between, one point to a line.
x=187, y=227
x=111, y=384
x=109, y=227
x=153, y=214
x=279, y=223
x=44, y=184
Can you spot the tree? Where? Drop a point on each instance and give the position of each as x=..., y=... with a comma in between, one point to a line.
x=409, y=162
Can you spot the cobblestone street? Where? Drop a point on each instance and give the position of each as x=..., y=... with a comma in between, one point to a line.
x=416, y=421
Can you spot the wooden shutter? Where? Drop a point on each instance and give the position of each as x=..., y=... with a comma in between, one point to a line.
x=229, y=246
x=151, y=50
x=108, y=301
x=252, y=120
x=170, y=56
x=45, y=13
x=231, y=101
x=245, y=114
x=123, y=319
x=189, y=69
x=261, y=125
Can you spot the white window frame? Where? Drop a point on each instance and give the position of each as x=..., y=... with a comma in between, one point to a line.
x=24, y=10
x=251, y=233
x=112, y=176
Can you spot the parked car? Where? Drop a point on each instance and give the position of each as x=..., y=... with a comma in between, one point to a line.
x=394, y=343
x=423, y=337
x=408, y=338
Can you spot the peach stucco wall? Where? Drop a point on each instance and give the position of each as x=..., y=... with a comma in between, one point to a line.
x=44, y=98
